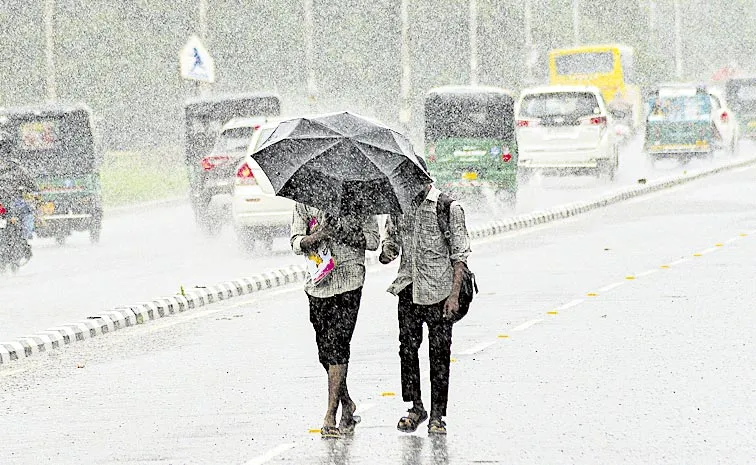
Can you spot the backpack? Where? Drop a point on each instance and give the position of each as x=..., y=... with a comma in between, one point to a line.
x=469, y=285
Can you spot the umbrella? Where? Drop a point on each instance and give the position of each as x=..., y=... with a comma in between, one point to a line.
x=343, y=164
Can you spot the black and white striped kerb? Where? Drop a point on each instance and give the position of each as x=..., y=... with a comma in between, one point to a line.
x=143, y=312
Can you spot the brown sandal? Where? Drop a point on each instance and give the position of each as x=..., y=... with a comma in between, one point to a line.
x=409, y=423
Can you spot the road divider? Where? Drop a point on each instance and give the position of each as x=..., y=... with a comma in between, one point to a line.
x=142, y=313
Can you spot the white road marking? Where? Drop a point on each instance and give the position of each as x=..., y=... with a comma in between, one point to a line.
x=677, y=262
x=745, y=168
x=526, y=325
x=611, y=286
x=477, y=348
x=574, y=303
x=271, y=454
x=730, y=241
x=709, y=250
x=646, y=273
x=362, y=408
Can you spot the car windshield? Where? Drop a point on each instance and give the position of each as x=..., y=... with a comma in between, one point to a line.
x=567, y=104
x=468, y=117
x=743, y=96
x=680, y=108
x=585, y=63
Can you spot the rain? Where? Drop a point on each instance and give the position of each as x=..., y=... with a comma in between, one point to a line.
x=602, y=153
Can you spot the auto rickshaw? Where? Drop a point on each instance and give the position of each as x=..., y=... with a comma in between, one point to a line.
x=55, y=143
x=204, y=118
x=679, y=124
x=470, y=140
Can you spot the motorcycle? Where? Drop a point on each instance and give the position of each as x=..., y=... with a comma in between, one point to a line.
x=15, y=250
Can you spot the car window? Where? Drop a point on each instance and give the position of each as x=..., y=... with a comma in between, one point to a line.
x=264, y=134
x=233, y=139
x=570, y=104
x=716, y=104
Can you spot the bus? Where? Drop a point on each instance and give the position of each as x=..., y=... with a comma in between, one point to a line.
x=470, y=140
x=608, y=67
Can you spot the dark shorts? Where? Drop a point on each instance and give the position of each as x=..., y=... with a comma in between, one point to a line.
x=334, y=319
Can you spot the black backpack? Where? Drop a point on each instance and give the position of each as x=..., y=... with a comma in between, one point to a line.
x=469, y=286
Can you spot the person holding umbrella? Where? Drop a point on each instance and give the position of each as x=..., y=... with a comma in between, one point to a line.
x=342, y=170
x=335, y=299
x=428, y=286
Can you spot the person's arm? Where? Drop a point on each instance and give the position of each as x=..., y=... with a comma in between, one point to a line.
x=392, y=244
x=301, y=242
x=460, y=250
x=371, y=233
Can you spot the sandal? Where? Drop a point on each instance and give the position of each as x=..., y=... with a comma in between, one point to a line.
x=347, y=427
x=330, y=432
x=409, y=423
x=436, y=426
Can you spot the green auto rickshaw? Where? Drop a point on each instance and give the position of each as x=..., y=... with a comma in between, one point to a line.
x=55, y=143
x=470, y=140
x=679, y=124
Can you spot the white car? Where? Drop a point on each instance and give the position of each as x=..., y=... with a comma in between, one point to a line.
x=565, y=129
x=725, y=121
x=259, y=215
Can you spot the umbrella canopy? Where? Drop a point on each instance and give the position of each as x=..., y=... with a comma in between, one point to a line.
x=342, y=163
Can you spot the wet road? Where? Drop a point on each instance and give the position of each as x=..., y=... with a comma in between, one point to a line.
x=149, y=254
x=621, y=336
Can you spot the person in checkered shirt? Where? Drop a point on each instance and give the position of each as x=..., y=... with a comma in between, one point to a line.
x=428, y=285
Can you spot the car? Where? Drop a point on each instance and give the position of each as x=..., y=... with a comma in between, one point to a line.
x=565, y=130
x=741, y=95
x=686, y=121
x=218, y=168
x=725, y=121
x=258, y=214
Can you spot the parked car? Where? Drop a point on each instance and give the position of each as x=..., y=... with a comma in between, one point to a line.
x=565, y=130
x=258, y=214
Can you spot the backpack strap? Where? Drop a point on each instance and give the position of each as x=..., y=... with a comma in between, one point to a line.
x=443, y=215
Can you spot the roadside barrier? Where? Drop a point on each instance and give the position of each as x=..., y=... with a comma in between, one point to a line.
x=193, y=298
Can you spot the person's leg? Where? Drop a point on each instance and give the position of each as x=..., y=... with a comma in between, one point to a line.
x=319, y=318
x=348, y=306
x=439, y=342
x=410, y=338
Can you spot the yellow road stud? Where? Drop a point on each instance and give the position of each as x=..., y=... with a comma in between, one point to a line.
x=553, y=312
x=696, y=254
x=666, y=267
x=743, y=235
x=592, y=294
x=718, y=245
x=630, y=277
x=314, y=430
x=503, y=336
x=452, y=360
x=388, y=394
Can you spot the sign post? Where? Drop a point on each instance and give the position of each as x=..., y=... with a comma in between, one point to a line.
x=195, y=62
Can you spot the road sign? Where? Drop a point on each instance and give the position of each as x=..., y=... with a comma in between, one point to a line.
x=196, y=62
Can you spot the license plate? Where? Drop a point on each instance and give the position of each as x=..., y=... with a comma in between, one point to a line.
x=47, y=208
x=3, y=223
x=470, y=176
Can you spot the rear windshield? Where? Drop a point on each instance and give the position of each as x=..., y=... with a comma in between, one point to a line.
x=234, y=139
x=568, y=104
x=474, y=116
x=585, y=63
x=264, y=136
x=683, y=108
